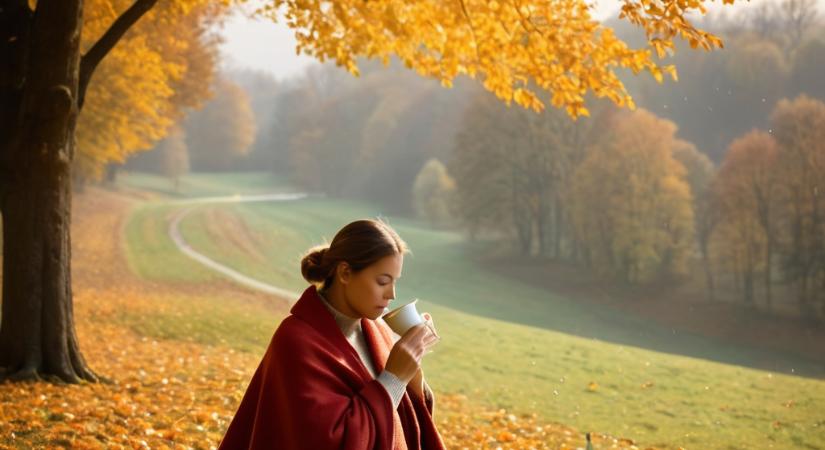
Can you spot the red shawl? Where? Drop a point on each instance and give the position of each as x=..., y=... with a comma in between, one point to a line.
x=312, y=391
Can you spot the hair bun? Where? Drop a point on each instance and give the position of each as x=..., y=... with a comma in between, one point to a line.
x=312, y=265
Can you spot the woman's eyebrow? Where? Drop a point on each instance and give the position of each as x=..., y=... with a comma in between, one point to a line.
x=391, y=277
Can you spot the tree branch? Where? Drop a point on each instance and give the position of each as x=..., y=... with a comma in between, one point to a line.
x=119, y=27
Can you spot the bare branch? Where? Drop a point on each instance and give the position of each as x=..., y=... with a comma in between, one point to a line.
x=119, y=27
x=799, y=16
x=764, y=19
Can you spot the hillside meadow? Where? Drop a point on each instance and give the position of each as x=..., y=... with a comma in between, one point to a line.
x=505, y=345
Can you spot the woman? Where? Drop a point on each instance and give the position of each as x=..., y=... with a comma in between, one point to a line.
x=332, y=378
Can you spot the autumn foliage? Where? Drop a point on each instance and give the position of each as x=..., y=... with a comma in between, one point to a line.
x=515, y=48
x=632, y=207
x=770, y=192
x=157, y=73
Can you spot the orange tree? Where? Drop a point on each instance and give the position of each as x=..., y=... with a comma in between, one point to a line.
x=512, y=46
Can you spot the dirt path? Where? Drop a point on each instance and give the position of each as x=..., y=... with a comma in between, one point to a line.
x=177, y=238
x=99, y=264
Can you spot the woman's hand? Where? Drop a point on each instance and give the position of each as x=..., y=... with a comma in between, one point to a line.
x=404, y=360
x=417, y=382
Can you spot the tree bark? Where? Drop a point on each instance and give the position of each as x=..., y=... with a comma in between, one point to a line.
x=37, y=334
x=111, y=174
x=767, y=280
x=39, y=106
x=15, y=17
x=558, y=231
x=706, y=266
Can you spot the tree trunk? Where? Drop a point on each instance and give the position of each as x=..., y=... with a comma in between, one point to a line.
x=521, y=219
x=37, y=336
x=111, y=173
x=557, y=229
x=541, y=225
x=822, y=298
x=706, y=266
x=748, y=277
x=42, y=85
x=768, y=272
x=748, y=286
x=737, y=272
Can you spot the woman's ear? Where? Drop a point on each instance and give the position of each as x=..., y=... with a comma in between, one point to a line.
x=343, y=272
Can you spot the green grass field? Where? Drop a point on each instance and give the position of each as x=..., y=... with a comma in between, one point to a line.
x=503, y=343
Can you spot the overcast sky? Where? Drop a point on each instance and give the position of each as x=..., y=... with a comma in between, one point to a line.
x=266, y=46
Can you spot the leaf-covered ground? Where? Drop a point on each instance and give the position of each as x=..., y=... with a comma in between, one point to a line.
x=179, y=392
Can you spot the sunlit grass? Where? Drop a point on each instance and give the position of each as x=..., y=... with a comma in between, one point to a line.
x=206, y=319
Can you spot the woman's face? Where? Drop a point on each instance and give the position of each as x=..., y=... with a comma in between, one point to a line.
x=369, y=291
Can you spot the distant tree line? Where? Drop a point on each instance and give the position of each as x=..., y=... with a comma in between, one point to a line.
x=622, y=194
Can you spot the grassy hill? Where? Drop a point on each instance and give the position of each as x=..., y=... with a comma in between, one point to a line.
x=504, y=343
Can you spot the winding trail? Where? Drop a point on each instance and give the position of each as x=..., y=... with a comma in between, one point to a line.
x=177, y=238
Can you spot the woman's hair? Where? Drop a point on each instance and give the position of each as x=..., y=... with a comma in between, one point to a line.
x=359, y=244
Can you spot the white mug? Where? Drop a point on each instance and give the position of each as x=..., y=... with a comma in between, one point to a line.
x=403, y=318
